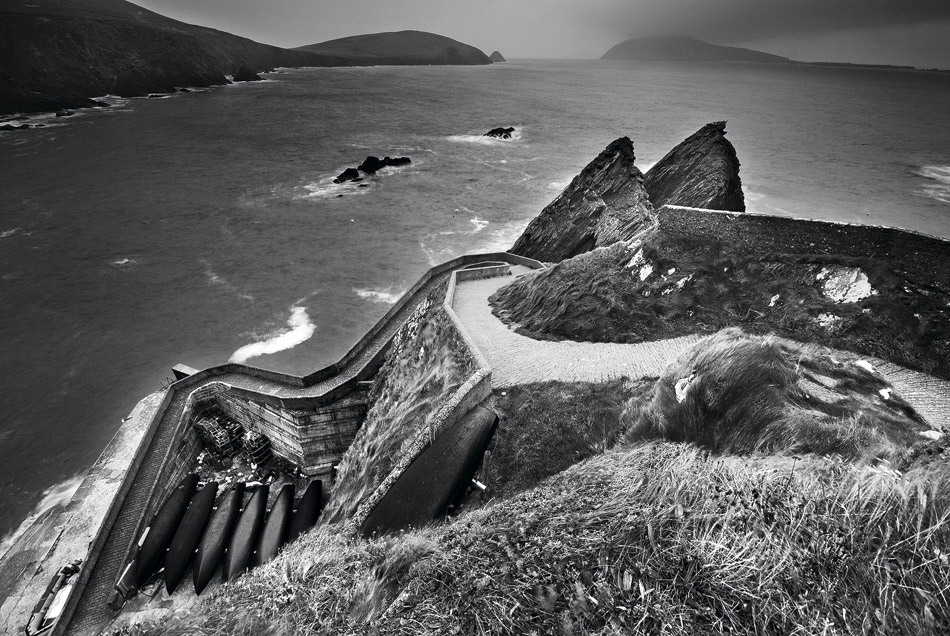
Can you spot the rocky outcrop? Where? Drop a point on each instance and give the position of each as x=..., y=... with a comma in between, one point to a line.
x=399, y=47
x=500, y=133
x=701, y=172
x=604, y=204
x=245, y=74
x=497, y=57
x=370, y=165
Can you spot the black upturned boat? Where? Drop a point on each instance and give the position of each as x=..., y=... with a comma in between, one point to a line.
x=189, y=532
x=245, y=536
x=216, y=536
x=275, y=528
x=308, y=511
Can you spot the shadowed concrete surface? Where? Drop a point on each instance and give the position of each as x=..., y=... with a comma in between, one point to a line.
x=436, y=478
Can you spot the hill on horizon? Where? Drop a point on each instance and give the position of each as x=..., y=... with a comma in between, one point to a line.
x=685, y=48
x=399, y=47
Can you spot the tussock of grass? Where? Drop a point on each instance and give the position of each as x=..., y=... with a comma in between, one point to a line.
x=546, y=427
x=705, y=285
x=656, y=538
x=426, y=363
x=737, y=393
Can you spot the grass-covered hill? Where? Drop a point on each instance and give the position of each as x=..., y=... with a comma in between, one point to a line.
x=399, y=47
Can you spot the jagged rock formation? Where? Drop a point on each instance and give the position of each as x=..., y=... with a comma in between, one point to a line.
x=701, y=172
x=245, y=74
x=60, y=53
x=399, y=47
x=604, y=204
x=496, y=57
x=370, y=165
x=683, y=48
x=500, y=133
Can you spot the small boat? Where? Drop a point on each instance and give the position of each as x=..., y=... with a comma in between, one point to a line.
x=216, y=536
x=189, y=532
x=308, y=511
x=245, y=536
x=275, y=528
x=47, y=611
x=160, y=532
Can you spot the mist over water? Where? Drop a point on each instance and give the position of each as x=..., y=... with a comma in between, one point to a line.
x=185, y=229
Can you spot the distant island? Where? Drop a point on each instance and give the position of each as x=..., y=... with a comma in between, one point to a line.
x=399, y=47
x=684, y=48
x=60, y=54
x=497, y=57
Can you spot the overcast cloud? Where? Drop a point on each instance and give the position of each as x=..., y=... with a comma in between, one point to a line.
x=879, y=31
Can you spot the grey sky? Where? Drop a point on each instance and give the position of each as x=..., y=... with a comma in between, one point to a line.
x=913, y=32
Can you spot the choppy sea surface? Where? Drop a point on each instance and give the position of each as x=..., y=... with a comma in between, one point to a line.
x=205, y=227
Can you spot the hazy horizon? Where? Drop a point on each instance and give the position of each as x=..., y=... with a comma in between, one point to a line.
x=858, y=31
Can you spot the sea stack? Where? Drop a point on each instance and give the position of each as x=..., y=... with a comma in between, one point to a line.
x=497, y=57
x=246, y=74
x=604, y=204
x=701, y=172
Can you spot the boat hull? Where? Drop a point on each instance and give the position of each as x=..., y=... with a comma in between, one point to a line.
x=246, y=534
x=188, y=535
x=308, y=511
x=274, y=533
x=216, y=537
x=162, y=528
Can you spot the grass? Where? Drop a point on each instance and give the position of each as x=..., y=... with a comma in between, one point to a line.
x=549, y=426
x=737, y=393
x=703, y=286
x=654, y=538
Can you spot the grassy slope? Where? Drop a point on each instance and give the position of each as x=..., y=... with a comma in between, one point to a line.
x=656, y=539
x=599, y=297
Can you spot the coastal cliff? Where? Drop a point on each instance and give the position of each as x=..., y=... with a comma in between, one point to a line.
x=701, y=172
x=604, y=204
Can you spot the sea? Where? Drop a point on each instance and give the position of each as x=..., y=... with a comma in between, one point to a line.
x=205, y=227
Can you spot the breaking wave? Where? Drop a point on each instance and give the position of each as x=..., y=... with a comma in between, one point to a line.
x=55, y=496
x=387, y=296
x=299, y=329
x=939, y=186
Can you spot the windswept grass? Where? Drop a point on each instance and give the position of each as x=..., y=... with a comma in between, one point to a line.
x=737, y=393
x=657, y=538
x=663, y=286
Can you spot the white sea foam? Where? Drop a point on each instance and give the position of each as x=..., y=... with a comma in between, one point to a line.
x=299, y=329
x=560, y=184
x=10, y=232
x=55, y=496
x=480, y=224
x=123, y=262
x=214, y=279
x=939, y=186
x=386, y=296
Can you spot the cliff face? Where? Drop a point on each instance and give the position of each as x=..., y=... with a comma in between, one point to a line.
x=399, y=47
x=701, y=172
x=61, y=53
x=604, y=204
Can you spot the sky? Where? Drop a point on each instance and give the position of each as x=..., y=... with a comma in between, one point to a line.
x=911, y=32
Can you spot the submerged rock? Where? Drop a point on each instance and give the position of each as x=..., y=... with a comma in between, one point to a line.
x=500, y=133
x=701, y=172
x=245, y=74
x=604, y=204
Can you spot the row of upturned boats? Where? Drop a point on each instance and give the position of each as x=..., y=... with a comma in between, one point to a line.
x=195, y=527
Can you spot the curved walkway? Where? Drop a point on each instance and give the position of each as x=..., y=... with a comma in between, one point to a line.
x=517, y=359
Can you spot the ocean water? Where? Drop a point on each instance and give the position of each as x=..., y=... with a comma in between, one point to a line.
x=205, y=227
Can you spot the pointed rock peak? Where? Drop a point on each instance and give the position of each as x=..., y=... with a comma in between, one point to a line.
x=701, y=172
x=497, y=57
x=604, y=204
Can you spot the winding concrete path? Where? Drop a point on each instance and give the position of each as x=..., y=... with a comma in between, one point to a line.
x=517, y=359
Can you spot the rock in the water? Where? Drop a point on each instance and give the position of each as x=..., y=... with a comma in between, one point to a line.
x=64, y=113
x=701, y=172
x=350, y=174
x=500, y=133
x=604, y=204
x=246, y=74
x=496, y=57
x=371, y=164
